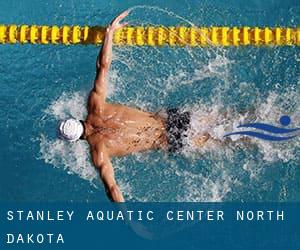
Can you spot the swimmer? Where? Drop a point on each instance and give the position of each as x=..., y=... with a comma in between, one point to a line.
x=114, y=130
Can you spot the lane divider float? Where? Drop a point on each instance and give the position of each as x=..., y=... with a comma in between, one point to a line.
x=152, y=35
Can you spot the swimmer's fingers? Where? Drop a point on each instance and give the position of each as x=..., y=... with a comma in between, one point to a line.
x=115, y=24
x=122, y=16
x=122, y=25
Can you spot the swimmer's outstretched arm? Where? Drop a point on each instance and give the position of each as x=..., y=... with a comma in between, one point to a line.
x=105, y=56
x=103, y=164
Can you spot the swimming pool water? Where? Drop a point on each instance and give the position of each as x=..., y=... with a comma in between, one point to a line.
x=42, y=84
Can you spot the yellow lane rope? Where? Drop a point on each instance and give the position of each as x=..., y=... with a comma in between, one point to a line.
x=152, y=35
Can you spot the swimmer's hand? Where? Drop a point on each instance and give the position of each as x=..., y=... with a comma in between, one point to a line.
x=115, y=24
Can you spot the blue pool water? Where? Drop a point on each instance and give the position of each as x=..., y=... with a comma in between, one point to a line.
x=42, y=84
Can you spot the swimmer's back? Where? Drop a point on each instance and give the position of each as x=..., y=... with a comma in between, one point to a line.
x=126, y=130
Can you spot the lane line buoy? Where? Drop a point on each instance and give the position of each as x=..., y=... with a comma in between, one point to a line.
x=152, y=35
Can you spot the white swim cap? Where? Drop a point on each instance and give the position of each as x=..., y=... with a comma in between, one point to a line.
x=70, y=130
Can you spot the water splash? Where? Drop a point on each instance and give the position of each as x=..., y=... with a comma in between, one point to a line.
x=192, y=185
x=215, y=85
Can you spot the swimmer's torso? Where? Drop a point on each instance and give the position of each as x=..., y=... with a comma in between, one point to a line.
x=124, y=130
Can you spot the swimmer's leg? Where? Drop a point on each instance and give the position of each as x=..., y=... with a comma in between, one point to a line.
x=203, y=138
x=200, y=140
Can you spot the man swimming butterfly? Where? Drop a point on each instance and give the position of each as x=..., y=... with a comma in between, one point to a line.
x=117, y=130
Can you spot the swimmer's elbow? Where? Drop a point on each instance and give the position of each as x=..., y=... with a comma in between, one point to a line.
x=98, y=163
x=105, y=63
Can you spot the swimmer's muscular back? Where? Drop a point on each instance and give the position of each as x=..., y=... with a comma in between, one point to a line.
x=122, y=129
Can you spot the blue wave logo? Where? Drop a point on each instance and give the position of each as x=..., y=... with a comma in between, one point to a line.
x=279, y=133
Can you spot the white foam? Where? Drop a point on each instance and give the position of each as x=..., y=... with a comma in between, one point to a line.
x=68, y=105
x=172, y=181
x=72, y=157
x=271, y=110
x=214, y=118
x=216, y=121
